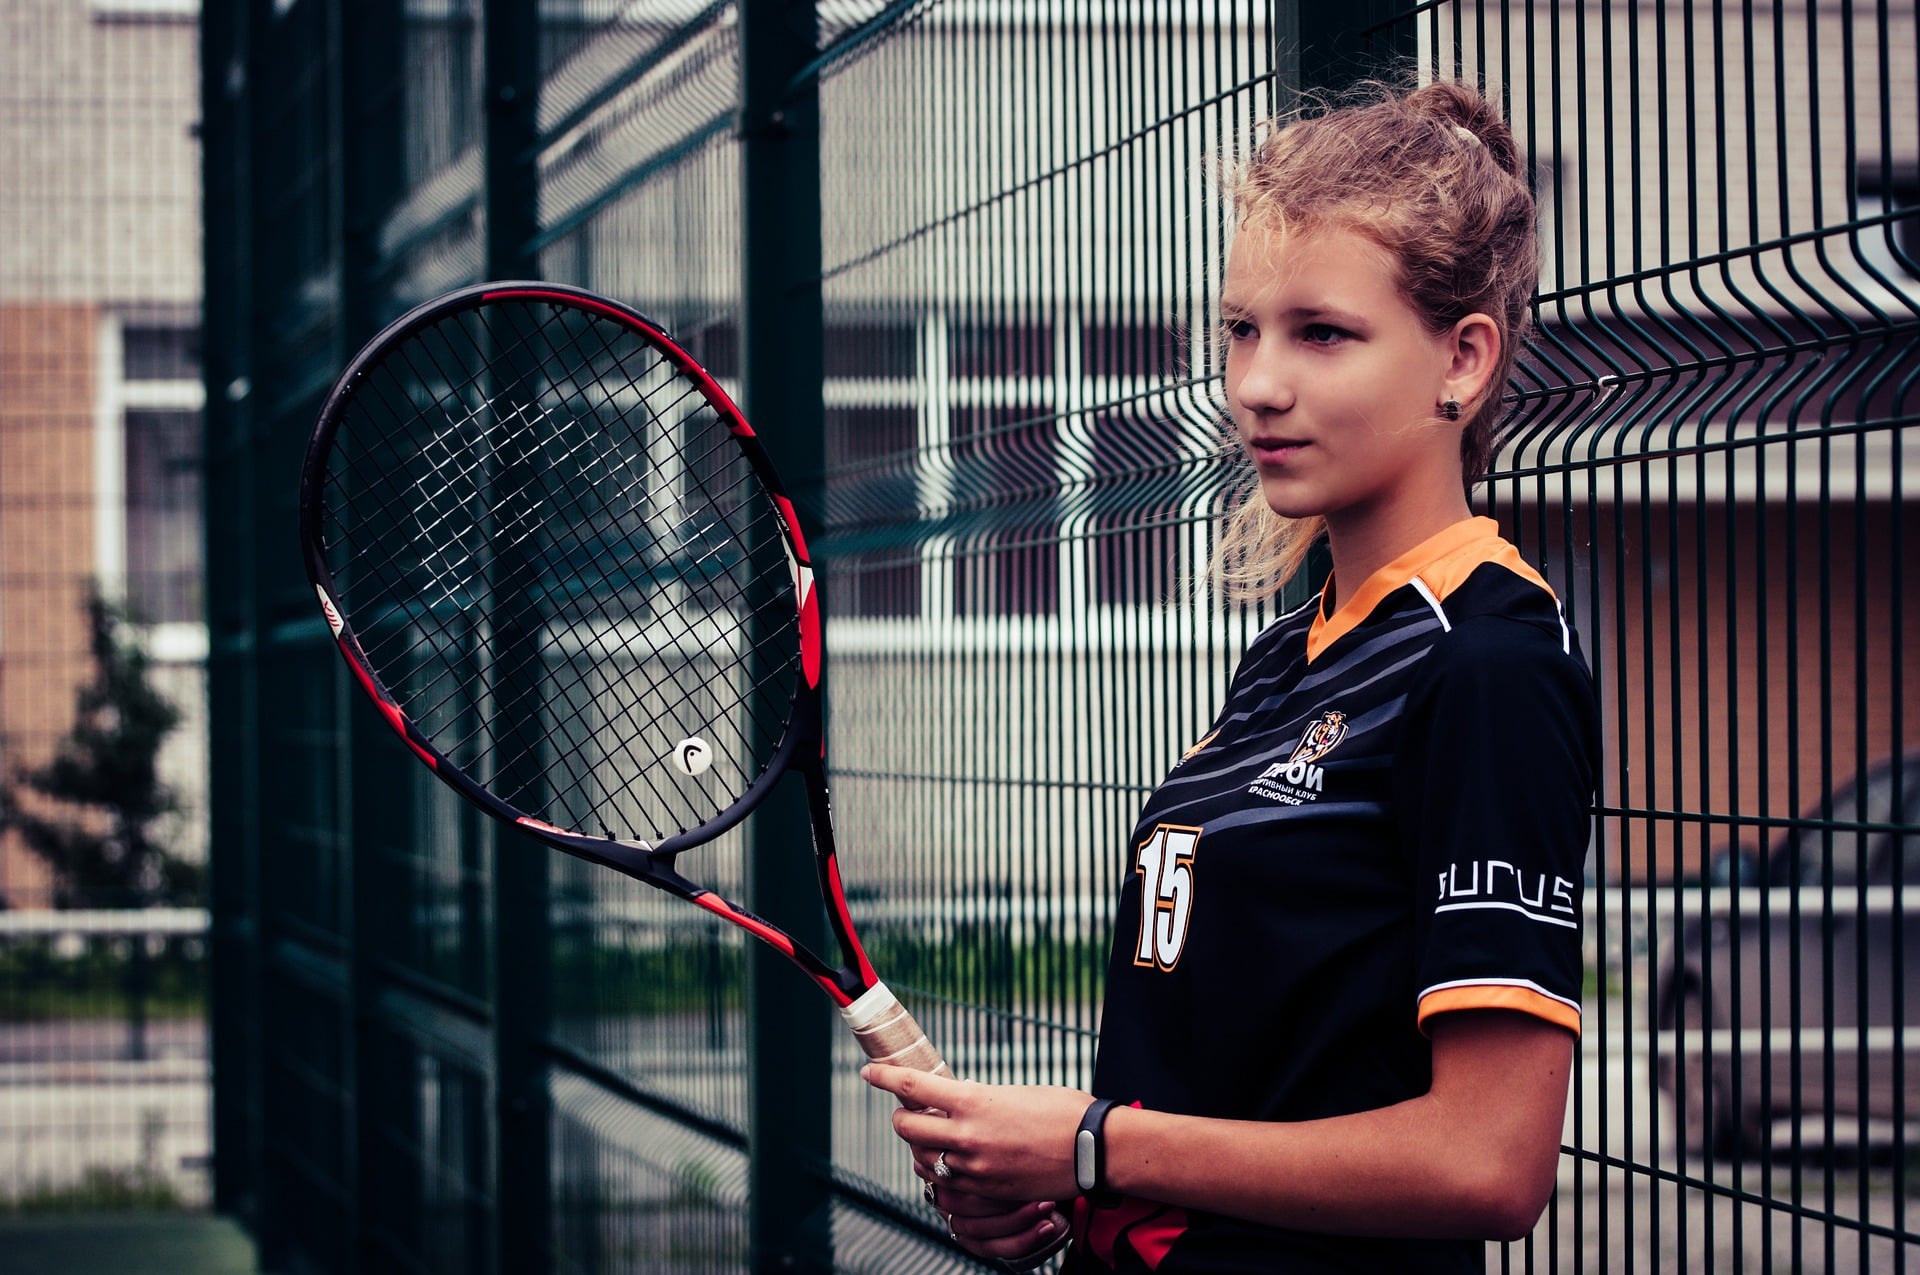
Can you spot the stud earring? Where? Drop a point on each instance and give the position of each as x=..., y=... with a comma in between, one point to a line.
x=1451, y=409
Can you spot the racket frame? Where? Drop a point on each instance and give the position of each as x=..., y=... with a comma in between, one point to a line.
x=801, y=746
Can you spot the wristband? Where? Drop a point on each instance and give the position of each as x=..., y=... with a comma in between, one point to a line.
x=1090, y=1155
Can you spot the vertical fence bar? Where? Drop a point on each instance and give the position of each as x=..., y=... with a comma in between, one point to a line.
x=789, y=1099
x=1340, y=44
x=382, y=1196
x=235, y=1000
x=519, y=962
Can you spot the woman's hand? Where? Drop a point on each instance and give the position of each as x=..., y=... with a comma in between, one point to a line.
x=1005, y=1143
x=993, y=1228
x=995, y=1158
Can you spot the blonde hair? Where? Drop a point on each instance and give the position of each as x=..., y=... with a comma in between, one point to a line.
x=1432, y=175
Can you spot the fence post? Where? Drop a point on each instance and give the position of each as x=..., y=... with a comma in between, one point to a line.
x=139, y=985
x=790, y=1044
x=234, y=993
x=520, y=959
x=1334, y=45
x=384, y=1197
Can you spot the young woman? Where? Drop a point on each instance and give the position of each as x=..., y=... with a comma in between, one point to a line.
x=1343, y=996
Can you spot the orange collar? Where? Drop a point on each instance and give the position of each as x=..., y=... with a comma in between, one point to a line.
x=1442, y=562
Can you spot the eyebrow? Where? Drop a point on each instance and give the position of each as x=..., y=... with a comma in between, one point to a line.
x=1232, y=307
x=1325, y=313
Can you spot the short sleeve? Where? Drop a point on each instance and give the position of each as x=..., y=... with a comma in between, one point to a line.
x=1493, y=794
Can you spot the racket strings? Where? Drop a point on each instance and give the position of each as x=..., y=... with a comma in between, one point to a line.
x=580, y=778
x=742, y=485
x=597, y=504
x=661, y=688
x=656, y=685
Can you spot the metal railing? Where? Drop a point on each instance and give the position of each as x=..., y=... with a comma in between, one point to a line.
x=104, y=1080
x=960, y=260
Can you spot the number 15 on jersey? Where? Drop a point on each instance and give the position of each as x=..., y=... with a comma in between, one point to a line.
x=1165, y=864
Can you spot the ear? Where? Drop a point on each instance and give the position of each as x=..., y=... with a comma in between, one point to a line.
x=1474, y=349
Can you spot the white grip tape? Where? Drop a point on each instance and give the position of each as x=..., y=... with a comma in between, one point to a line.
x=888, y=1033
x=870, y=1005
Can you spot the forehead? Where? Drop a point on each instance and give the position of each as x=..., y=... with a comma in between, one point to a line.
x=1268, y=265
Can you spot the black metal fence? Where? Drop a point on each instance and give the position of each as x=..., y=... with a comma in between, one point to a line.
x=960, y=259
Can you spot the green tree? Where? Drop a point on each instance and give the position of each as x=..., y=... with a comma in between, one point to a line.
x=90, y=811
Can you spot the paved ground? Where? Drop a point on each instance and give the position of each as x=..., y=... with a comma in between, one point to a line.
x=68, y=1130
x=125, y=1244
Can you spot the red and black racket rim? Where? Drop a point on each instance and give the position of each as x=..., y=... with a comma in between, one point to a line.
x=556, y=557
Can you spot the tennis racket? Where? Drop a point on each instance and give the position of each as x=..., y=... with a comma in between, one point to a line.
x=558, y=561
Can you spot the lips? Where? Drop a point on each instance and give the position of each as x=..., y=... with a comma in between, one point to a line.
x=1274, y=451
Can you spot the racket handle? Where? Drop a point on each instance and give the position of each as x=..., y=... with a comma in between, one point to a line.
x=889, y=1034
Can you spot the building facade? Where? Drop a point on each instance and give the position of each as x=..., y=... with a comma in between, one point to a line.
x=100, y=393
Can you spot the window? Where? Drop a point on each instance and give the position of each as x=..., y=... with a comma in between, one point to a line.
x=1136, y=533
x=1007, y=459
x=159, y=353
x=871, y=350
x=1893, y=193
x=1000, y=350
x=1146, y=350
x=148, y=440
x=716, y=347
x=880, y=584
x=163, y=516
x=872, y=457
x=1014, y=571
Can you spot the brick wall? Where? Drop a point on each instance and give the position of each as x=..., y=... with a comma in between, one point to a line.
x=1748, y=662
x=47, y=553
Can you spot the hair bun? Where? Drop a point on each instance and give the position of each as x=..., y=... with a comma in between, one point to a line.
x=1471, y=117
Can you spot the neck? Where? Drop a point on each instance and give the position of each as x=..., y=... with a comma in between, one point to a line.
x=1360, y=547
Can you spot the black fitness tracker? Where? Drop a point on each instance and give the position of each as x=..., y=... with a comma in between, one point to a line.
x=1090, y=1155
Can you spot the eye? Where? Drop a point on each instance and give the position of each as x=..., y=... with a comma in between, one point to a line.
x=1323, y=334
x=1239, y=329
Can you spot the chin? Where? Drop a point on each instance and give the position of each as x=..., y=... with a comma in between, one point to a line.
x=1291, y=504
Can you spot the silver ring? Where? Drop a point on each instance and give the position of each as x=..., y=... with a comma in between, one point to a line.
x=951, y=1233
x=927, y=1194
x=940, y=1169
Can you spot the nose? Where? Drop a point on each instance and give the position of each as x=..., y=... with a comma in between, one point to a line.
x=1258, y=379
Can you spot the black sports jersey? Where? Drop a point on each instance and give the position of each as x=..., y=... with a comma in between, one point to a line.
x=1388, y=821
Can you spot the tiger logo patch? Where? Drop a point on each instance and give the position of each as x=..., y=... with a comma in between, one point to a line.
x=1321, y=738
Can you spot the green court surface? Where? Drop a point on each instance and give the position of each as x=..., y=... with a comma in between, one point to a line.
x=125, y=1244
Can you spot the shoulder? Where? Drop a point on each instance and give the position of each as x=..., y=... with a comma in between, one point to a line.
x=1505, y=647
x=1499, y=607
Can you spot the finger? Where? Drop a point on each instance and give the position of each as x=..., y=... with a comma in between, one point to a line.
x=936, y=1165
x=927, y=1132
x=963, y=1203
x=1002, y=1222
x=1014, y=1235
x=914, y=1088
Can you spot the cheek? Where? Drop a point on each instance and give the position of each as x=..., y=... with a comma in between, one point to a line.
x=1233, y=376
x=1388, y=398
x=1233, y=368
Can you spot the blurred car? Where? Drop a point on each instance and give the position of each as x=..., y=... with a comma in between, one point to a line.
x=1791, y=989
